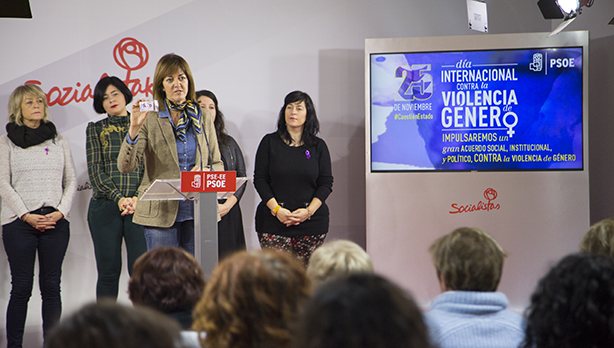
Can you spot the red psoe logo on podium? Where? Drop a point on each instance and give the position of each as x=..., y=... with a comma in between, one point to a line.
x=208, y=181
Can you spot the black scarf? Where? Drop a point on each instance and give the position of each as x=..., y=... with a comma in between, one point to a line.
x=24, y=136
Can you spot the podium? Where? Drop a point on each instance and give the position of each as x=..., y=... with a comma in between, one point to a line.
x=205, y=208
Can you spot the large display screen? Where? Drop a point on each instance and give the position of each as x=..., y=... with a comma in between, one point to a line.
x=490, y=110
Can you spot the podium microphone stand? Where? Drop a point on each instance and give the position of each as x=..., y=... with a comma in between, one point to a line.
x=204, y=188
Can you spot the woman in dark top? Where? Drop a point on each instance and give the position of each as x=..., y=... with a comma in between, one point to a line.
x=110, y=212
x=230, y=229
x=293, y=177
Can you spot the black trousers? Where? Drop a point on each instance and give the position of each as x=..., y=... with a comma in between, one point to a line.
x=108, y=228
x=230, y=233
x=22, y=242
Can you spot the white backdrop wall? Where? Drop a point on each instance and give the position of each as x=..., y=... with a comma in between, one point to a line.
x=251, y=53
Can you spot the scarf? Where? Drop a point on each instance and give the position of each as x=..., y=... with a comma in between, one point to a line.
x=188, y=109
x=24, y=136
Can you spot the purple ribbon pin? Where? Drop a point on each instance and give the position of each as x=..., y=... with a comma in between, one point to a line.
x=46, y=151
x=307, y=154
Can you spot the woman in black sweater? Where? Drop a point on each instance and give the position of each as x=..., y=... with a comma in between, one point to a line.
x=293, y=177
x=230, y=233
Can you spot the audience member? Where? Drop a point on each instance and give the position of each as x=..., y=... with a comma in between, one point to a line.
x=167, y=279
x=573, y=305
x=470, y=312
x=361, y=310
x=599, y=239
x=110, y=325
x=251, y=301
x=339, y=257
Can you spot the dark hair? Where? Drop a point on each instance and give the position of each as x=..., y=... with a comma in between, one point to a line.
x=252, y=300
x=168, y=65
x=311, y=127
x=101, y=89
x=573, y=305
x=167, y=279
x=110, y=325
x=361, y=310
x=218, y=123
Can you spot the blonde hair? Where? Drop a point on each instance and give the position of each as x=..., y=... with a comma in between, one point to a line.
x=16, y=98
x=252, y=301
x=336, y=258
x=468, y=259
x=599, y=239
x=167, y=66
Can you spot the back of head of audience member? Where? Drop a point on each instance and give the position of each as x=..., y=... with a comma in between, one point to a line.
x=599, y=239
x=110, y=325
x=573, y=305
x=252, y=300
x=468, y=259
x=336, y=258
x=361, y=310
x=167, y=279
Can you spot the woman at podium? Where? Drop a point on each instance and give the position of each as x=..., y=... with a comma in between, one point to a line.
x=179, y=137
x=293, y=176
x=230, y=233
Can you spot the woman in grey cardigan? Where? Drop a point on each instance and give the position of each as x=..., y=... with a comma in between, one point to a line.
x=37, y=185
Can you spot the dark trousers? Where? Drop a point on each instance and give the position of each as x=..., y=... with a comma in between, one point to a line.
x=108, y=227
x=22, y=242
x=230, y=235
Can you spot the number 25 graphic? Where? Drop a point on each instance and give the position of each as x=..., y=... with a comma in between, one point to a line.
x=417, y=84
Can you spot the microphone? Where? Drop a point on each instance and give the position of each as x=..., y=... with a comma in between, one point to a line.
x=208, y=150
x=200, y=153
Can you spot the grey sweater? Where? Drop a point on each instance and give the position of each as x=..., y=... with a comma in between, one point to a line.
x=39, y=176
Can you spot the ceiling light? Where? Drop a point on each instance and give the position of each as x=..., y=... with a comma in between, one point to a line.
x=550, y=10
x=568, y=6
x=557, y=9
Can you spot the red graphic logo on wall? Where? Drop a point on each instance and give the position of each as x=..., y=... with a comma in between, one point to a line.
x=129, y=54
x=490, y=195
